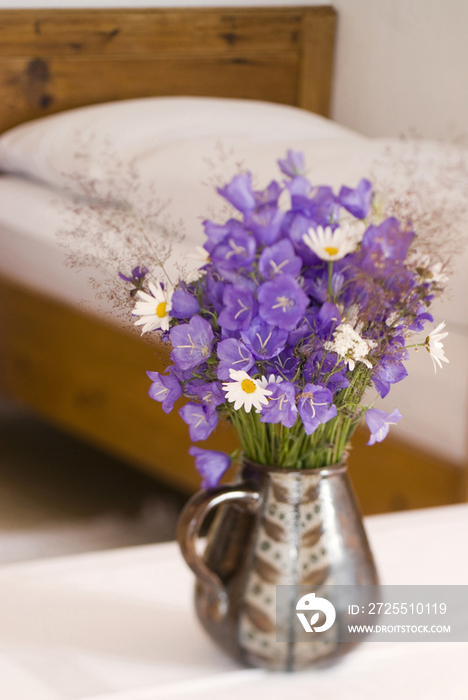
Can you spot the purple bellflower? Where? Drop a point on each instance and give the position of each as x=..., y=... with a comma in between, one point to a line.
x=264, y=340
x=384, y=247
x=389, y=371
x=281, y=407
x=379, y=423
x=236, y=251
x=164, y=389
x=200, y=420
x=216, y=233
x=315, y=407
x=282, y=302
x=240, y=306
x=321, y=207
x=279, y=258
x=285, y=364
x=233, y=354
x=211, y=395
x=265, y=223
x=191, y=343
x=136, y=276
x=325, y=369
x=269, y=196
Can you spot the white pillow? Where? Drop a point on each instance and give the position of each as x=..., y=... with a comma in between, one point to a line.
x=86, y=143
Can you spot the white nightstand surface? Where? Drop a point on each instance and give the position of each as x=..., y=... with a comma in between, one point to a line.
x=120, y=625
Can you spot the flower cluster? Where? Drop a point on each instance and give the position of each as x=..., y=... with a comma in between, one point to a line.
x=294, y=314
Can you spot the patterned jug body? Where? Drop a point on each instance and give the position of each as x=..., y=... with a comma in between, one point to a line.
x=275, y=527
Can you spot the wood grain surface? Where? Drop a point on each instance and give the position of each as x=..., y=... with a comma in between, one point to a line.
x=90, y=378
x=52, y=60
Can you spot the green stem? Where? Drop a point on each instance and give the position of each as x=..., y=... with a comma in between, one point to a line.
x=330, y=275
x=273, y=444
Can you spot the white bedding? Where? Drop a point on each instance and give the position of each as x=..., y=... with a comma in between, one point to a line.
x=183, y=171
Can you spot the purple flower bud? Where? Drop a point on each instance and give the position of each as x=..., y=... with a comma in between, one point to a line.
x=136, y=276
x=239, y=192
x=213, y=289
x=211, y=465
x=293, y=164
x=357, y=201
x=184, y=304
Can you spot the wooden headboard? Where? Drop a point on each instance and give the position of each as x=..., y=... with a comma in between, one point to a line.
x=51, y=60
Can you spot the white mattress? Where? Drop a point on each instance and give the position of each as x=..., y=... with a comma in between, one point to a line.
x=434, y=407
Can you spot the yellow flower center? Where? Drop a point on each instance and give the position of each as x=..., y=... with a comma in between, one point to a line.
x=161, y=309
x=331, y=250
x=248, y=386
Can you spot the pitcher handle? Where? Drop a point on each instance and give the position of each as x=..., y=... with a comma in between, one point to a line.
x=188, y=530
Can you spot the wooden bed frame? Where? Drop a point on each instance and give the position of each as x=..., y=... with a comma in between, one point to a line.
x=84, y=375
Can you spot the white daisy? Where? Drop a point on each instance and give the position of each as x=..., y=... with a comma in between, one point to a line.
x=192, y=276
x=245, y=391
x=200, y=255
x=202, y=258
x=272, y=379
x=153, y=308
x=434, y=347
x=333, y=245
x=427, y=269
x=348, y=344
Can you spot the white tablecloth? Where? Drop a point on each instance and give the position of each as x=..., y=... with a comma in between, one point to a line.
x=119, y=625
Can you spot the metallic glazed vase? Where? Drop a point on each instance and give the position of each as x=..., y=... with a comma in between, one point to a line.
x=275, y=526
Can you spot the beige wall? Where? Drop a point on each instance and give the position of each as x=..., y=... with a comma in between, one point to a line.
x=402, y=65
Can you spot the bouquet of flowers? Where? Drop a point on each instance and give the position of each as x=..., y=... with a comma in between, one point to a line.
x=296, y=310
